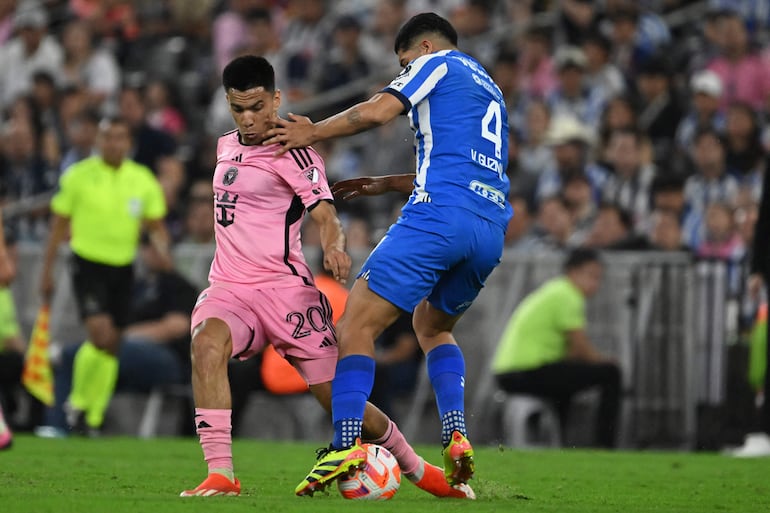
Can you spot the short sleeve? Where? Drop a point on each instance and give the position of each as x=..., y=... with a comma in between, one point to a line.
x=572, y=315
x=418, y=79
x=305, y=173
x=63, y=200
x=155, y=201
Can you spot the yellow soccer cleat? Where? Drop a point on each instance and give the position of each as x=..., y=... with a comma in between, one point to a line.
x=331, y=464
x=458, y=460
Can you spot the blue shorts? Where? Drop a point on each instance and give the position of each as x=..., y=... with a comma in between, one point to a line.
x=446, y=258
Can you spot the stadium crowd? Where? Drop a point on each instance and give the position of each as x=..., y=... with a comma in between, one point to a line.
x=631, y=127
x=634, y=125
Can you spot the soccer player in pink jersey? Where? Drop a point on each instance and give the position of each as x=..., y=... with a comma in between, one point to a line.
x=261, y=289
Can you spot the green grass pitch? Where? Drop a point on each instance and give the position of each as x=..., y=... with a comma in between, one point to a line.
x=117, y=475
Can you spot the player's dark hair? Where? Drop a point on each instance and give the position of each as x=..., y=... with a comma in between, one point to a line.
x=579, y=257
x=247, y=72
x=424, y=23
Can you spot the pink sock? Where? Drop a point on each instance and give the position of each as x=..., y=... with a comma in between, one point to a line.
x=213, y=427
x=395, y=442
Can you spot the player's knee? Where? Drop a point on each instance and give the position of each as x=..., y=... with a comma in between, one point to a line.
x=207, y=349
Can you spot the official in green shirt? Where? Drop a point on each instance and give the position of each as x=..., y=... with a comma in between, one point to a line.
x=545, y=350
x=105, y=202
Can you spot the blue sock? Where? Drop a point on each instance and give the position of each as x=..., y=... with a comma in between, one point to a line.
x=446, y=369
x=351, y=387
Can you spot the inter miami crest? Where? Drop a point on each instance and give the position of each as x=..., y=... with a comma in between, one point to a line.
x=230, y=175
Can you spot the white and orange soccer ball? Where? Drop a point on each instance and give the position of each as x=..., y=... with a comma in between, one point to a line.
x=377, y=480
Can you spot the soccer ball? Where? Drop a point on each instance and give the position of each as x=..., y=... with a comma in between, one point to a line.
x=377, y=480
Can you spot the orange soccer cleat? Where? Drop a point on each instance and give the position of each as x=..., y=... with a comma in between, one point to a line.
x=214, y=485
x=434, y=482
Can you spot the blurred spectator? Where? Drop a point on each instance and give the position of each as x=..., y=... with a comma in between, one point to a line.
x=601, y=74
x=93, y=69
x=627, y=54
x=473, y=22
x=665, y=232
x=536, y=65
x=746, y=215
x=341, y=63
x=73, y=101
x=545, y=349
x=162, y=113
x=630, y=182
x=581, y=204
x=659, y=112
x=377, y=41
x=263, y=40
x=755, y=13
x=619, y=113
x=199, y=216
x=304, y=39
x=720, y=239
x=534, y=154
x=744, y=154
x=33, y=49
x=570, y=141
x=150, y=144
x=668, y=195
x=520, y=234
x=711, y=182
x=44, y=99
x=556, y=227
x=612, y=229
x=505, y=73
x=7, y=8
x=744, y=75
x=81, y=135
x=578, y=19
x=706, y=90
x=230, y=30
x=24, y=174
x=357, y=235
x=113, y=20
x=572, y=97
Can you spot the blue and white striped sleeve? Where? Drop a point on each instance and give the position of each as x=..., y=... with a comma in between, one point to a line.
x=418, y=79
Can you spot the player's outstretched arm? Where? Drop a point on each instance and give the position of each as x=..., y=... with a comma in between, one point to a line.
x=373, y=186
x=336, y=261
x=299, y=131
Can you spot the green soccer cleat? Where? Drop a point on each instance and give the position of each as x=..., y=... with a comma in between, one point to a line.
x=458, y=460
x=331, y=464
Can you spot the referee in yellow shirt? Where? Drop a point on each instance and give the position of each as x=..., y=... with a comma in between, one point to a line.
x=105, y=201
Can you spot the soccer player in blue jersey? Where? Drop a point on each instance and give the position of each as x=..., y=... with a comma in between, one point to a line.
x=434, y=260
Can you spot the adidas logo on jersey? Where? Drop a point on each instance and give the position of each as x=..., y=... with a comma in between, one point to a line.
x=326, y=343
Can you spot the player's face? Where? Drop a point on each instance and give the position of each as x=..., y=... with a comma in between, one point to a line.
x=418, y=49
x=254, y=112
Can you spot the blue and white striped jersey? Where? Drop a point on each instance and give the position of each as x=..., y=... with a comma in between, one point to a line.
x=461, y=134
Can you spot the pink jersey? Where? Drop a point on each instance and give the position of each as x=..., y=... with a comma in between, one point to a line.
x=259, y=203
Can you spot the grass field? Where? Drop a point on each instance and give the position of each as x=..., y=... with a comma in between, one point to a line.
x=117, y=475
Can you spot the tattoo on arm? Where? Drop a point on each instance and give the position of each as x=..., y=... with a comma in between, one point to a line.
x=354, y=118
